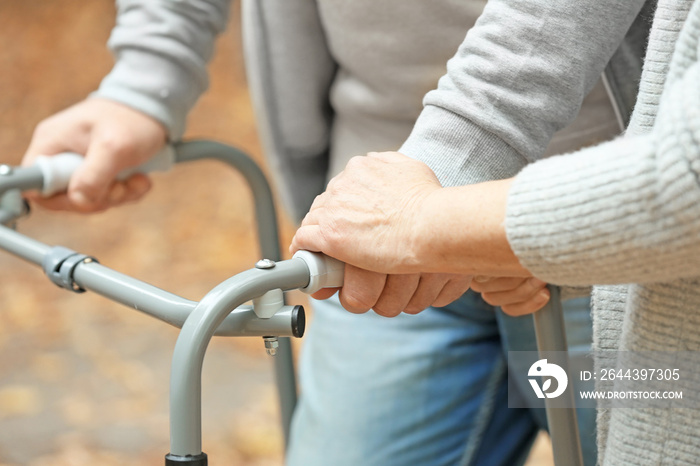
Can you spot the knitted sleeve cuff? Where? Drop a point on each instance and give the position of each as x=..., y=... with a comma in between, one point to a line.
x=588, y=217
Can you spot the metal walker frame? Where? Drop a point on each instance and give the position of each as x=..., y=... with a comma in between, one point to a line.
x=221, y=312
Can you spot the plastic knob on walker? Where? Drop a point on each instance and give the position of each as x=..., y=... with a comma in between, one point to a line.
x=58, y=169
x=324, y=271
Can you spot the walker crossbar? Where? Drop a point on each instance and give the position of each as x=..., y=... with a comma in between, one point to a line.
x=220, y=312
x=148, y=299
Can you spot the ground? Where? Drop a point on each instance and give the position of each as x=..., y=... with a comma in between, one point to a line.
x=83, y=381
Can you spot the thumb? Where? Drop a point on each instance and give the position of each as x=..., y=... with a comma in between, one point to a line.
x=309, y=238
x=91, y=182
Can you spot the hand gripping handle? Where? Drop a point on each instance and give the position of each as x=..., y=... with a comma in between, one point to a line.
x=57, y=170
x=324, y=271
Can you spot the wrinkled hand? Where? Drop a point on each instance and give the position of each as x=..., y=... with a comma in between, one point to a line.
x=517, y=296
x=366, y=218
x=390, y=295
x=113, y=137
x=369, y=214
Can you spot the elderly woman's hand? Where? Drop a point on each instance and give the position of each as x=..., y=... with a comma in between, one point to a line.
x=370, y=213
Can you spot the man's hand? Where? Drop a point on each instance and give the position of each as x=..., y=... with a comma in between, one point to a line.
x=112, y=137
x=390, y=295
x=517, y=296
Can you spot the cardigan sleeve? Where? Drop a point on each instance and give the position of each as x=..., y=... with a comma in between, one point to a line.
x=627, y=211
x=161, y=49
x=519, y=76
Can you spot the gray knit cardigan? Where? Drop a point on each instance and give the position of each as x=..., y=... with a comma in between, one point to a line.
x=626, y=215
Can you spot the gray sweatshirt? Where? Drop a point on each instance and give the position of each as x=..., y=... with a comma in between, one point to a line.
x=334, y=79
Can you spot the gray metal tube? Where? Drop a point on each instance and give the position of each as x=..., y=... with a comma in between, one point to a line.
x=7, y=217
x=191, y=346
x=12, y=206
x=147, y=298
x=267, y=227
x=22, y=246
x=563, y=425
x=265, y=213
x=22, y=178
x=171, y=308
x=133, y=293
x=31, y=178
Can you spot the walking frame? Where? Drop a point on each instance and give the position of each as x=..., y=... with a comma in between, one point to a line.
x=222, y=311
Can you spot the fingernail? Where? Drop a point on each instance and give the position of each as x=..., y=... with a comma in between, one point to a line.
x=543, y=295
x=481, y=279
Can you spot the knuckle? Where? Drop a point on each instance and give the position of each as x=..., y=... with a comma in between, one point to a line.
x=478, y=287
x=462, y=284
x=113, y=144
x=356, y=161
x=318, y=201
x=331, y=188
x=43, y=128
x=535, y=285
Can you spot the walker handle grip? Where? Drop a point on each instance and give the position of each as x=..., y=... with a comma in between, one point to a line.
x=58, y=169
x=324, y=271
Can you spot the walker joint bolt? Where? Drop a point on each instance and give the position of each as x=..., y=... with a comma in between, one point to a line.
x=264, y=264
x=271, y=345
x=5, y=170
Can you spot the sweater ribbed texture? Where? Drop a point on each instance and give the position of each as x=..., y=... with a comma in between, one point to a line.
x=628, y=212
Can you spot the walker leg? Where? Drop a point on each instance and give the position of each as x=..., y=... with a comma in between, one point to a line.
x=563, y=425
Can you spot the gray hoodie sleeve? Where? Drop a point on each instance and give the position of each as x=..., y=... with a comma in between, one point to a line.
x=161, y=49
x=519, y=76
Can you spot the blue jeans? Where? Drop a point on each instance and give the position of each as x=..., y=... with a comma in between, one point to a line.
x=426, y=389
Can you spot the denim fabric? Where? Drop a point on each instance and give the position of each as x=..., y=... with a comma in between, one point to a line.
x=426, y=389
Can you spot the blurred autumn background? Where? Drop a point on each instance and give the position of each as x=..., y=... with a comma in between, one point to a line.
x=84, y=381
